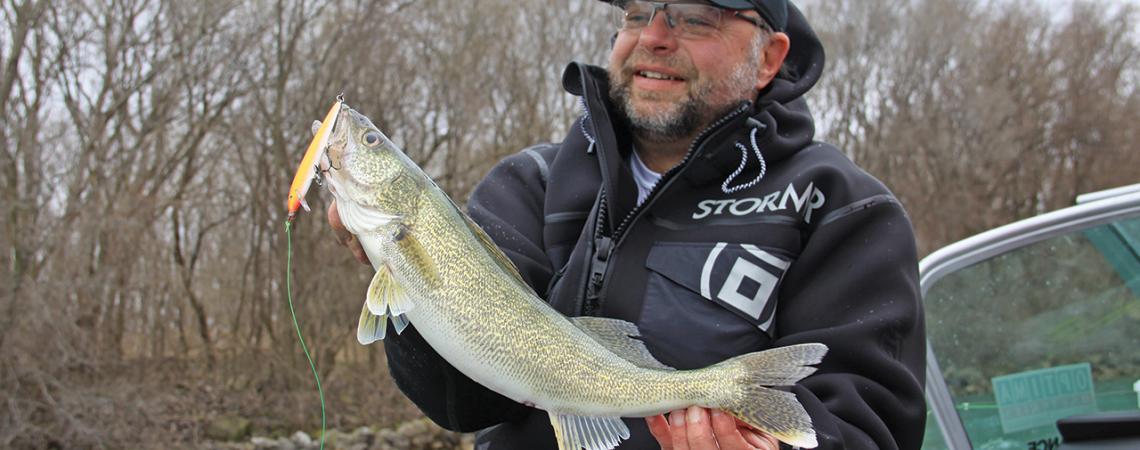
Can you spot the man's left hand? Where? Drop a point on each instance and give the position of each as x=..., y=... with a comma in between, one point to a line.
x=699, y=429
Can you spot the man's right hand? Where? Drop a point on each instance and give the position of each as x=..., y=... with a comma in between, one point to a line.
x=698, y=428
x=344, y=238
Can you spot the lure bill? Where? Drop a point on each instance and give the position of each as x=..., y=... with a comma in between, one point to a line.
x=436, y=269
x=312, y=161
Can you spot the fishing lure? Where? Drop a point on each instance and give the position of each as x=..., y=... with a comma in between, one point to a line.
x=310, y=163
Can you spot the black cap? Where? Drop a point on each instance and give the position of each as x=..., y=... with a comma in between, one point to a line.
x=775, y=12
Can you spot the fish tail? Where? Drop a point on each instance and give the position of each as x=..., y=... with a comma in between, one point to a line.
x=773, y=411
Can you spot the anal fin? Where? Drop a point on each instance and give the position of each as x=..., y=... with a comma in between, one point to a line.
x=590, y=433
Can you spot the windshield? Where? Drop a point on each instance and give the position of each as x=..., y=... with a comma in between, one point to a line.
x=1041, y=332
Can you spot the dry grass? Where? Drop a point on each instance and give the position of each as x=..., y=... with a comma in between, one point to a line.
x=170, y=403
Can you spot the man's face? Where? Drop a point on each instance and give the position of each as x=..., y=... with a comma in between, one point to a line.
x=670, y=87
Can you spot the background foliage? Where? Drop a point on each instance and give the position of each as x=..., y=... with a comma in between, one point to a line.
x=147, y=146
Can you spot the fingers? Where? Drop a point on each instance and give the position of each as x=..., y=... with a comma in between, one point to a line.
x=760, y=439
x=724, y=426
x=734, y=435
x=659, y=428
x=338, y=228
x=698, y=428
x=678, y=432
x=344, y=237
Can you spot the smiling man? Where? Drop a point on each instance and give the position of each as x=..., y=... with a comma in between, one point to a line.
x=691, y=199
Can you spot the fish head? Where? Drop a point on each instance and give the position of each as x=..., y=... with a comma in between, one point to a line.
x=369, y=173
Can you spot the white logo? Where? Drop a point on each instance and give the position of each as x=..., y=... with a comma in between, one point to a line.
x=756, y=205
x=749, y=287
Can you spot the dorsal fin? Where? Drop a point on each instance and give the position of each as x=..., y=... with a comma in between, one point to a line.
x=619, y=337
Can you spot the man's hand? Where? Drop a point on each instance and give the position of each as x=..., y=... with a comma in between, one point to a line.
x=344, y=238
x=697, y=429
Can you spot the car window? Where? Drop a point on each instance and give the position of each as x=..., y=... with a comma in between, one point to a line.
x=1045, y=331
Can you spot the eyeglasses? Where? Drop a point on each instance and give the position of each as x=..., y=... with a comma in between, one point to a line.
x=693, y=19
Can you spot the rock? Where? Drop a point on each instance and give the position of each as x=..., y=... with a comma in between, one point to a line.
x=412, y=435
x=302, y=439
x=356, y=440
x=260, y=443
x=228, y=429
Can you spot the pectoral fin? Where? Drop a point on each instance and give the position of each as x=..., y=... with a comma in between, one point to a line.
x=400, y=322
x=386, y=295
x=590, y=433
x=410, y=246
x=619, y=337
x=371, y=327
x=386, y=298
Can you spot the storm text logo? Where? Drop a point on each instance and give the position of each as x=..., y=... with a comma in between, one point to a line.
x=810, y=198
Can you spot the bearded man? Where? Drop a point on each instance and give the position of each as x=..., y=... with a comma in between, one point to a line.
x=691, y=199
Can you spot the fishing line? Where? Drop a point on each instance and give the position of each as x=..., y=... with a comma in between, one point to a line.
x=297, y=326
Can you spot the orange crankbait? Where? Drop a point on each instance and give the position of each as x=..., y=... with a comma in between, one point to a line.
x=307, y=171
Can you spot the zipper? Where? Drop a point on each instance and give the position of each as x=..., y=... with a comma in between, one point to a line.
x=599, y=261
x=671, y=175
x=604, y=246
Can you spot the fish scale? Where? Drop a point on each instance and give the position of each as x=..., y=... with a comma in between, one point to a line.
x=437, y=270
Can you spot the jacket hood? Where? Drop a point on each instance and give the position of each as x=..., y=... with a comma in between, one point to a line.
x=803, y=65
x=781, y=105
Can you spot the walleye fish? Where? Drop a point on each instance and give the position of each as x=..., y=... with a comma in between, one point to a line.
x=437, y=269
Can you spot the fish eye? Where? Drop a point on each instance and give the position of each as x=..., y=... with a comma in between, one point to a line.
x=372, y=138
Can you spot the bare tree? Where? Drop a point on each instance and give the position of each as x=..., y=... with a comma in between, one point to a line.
x=979, y=116
x=147, y=146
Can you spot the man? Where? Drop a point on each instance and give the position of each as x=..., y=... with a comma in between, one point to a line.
x=691, y=200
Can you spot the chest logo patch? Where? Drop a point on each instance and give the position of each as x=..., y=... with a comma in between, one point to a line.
x=802, y=202
x=744, y=281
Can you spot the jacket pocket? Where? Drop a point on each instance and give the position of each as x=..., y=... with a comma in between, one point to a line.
x=706, y=302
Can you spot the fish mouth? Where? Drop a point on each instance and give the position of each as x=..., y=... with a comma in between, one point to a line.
x=338, y=140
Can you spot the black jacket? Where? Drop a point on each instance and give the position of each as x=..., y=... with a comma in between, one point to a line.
x=731, y=253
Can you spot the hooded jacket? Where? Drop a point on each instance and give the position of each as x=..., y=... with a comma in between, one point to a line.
x=760, y=238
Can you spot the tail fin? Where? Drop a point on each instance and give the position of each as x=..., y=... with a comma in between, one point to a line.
x=773, y=411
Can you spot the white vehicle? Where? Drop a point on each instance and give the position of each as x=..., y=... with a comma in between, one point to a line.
x=1033, y=331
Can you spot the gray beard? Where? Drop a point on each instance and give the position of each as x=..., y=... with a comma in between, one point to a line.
x=680, y=121
x=687, y=117
x=697, y=111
